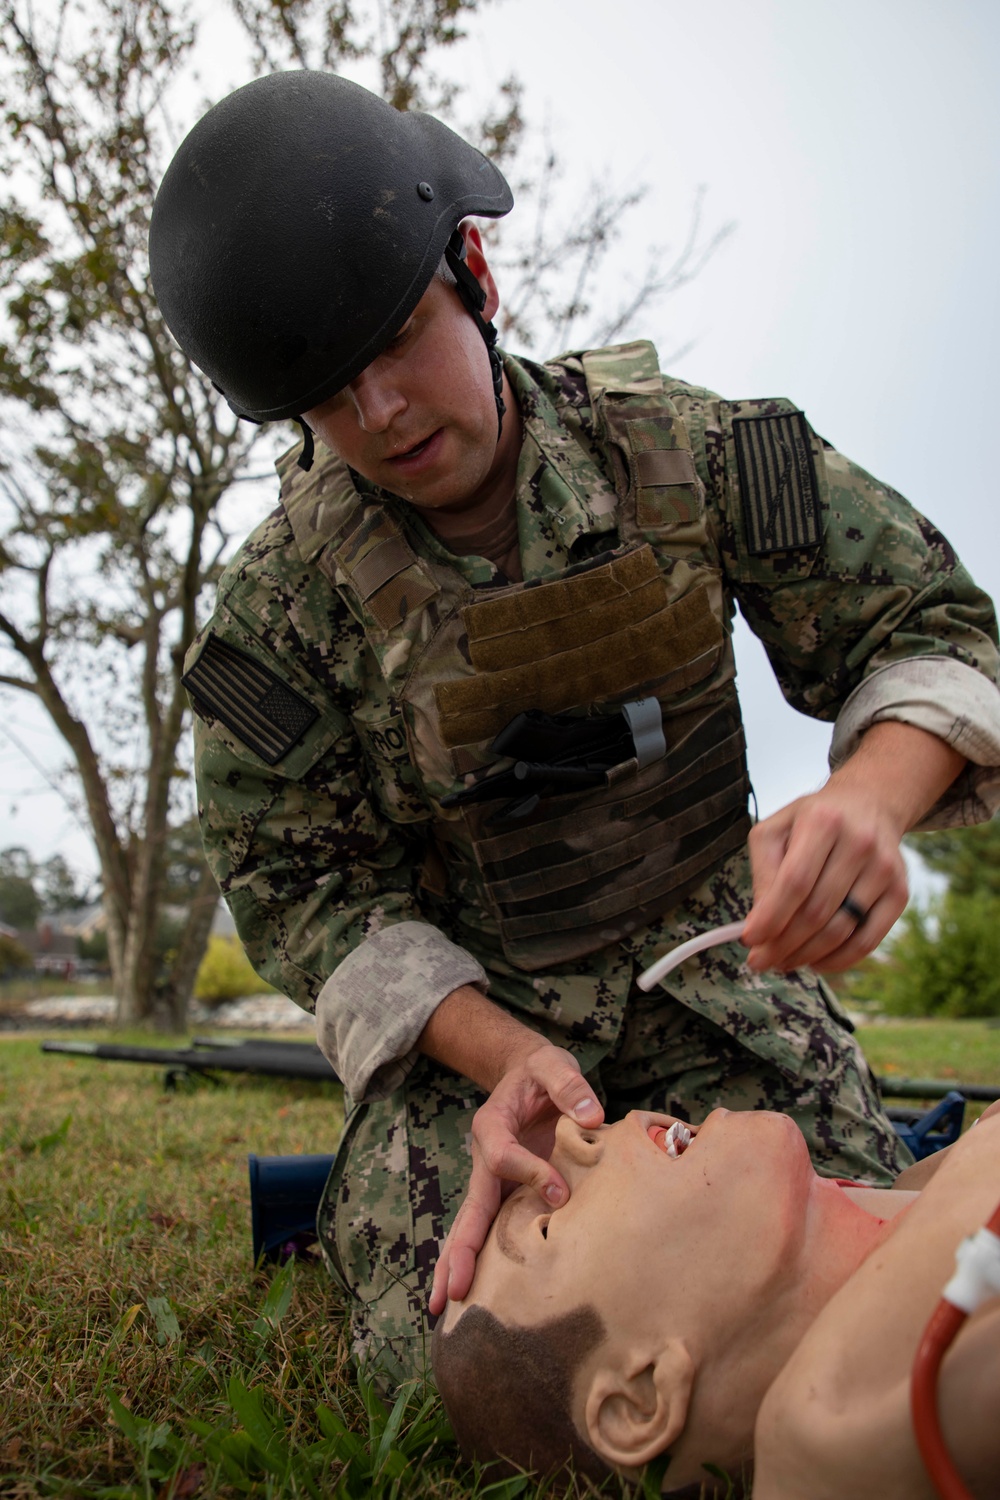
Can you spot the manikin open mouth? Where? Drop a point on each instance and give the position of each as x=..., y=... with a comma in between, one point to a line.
x=674, y=1140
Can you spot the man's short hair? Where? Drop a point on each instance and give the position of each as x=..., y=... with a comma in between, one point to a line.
x=508, y=1390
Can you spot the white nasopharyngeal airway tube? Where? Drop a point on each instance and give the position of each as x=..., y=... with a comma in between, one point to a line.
x=731, y=933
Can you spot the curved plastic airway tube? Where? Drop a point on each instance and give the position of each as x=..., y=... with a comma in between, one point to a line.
x=731, y=933
x=944, y=1324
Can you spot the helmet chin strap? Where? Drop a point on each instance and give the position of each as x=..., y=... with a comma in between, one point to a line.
x=305, y=459
x=474, y=298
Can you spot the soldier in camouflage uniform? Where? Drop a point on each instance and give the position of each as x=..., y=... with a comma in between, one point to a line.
x=468, y=743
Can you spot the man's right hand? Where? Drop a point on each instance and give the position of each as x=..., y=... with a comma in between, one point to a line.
x=531, y=1083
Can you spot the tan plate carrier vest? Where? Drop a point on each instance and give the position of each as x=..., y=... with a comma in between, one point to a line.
x=644, y=619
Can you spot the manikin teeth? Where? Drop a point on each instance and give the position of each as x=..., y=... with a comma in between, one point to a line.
x=677, y=1139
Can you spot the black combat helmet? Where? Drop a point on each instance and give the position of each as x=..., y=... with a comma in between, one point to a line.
x=298, y=226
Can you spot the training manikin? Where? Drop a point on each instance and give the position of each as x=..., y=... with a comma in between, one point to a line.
x=747, y=1309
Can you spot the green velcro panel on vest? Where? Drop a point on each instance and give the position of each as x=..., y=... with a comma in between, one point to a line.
x=661, y=471
x=383, y=569
x=781, y=506
x=610, y=667
x=379, y=566
x=630, y=405
x=251, y=700
x=665, y=466
x=536, y=622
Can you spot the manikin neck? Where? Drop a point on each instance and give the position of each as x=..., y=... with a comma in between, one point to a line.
x=742, y=1356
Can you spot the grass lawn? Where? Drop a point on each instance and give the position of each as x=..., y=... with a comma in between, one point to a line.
x=963, y=1051
x=141, y=1353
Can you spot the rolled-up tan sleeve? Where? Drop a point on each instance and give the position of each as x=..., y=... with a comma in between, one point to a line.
x=947, y=698
x=374, y=1006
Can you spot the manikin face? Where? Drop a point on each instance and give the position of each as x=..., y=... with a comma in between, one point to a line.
x=699, y=1234
x=691, y=1263
x=706, y=1271
x=421, y=419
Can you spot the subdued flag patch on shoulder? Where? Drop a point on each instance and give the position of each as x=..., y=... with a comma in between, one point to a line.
x=781, y=505
x=251, y=700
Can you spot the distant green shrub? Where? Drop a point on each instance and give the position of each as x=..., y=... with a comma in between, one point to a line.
x=13, y=955
x=943, y=961
x=226, y=973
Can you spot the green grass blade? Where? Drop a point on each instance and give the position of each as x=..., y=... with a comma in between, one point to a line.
x=276, y=1303
x=269, y=1444
x=168, y=1330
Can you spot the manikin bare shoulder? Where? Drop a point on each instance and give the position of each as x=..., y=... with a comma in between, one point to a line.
x=836, y=1421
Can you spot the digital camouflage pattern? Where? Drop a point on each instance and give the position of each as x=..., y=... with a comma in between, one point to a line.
x=343, y=836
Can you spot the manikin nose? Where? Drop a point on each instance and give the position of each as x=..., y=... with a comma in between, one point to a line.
x=575, y=1146
x=376, y=400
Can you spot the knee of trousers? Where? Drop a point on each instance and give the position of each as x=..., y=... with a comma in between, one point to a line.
x=400, y=1173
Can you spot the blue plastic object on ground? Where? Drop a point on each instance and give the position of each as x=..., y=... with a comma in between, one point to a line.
x=284, y=1196
x=937, y=1128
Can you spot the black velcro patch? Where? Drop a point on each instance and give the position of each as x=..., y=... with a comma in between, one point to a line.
x=250, y=699
x=781, y=505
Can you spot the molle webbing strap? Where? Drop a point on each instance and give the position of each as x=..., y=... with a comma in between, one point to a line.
x=652, y=452
x=656, y=844
x=601, y=635
x=506, y=852
x=597, y=865
x=652, y=889
x=383, y=569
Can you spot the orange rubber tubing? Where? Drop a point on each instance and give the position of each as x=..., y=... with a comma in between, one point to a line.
x=944, y=1324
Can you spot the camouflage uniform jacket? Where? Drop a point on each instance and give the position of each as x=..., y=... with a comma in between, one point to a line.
x=316, y=792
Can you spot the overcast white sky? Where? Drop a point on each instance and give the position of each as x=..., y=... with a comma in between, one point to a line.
x=856, y=146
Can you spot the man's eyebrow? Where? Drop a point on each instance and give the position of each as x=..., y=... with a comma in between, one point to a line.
x=501, y=1227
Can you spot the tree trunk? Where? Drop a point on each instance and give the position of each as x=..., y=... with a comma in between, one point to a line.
x=176, y=996
x=134, y=985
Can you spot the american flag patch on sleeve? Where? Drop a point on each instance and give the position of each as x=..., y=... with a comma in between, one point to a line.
x=251, y=700
x=781, y=505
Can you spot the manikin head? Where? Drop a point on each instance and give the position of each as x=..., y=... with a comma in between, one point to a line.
x=652, y=1311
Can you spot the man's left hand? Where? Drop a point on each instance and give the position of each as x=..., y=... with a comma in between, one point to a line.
x=828, y=875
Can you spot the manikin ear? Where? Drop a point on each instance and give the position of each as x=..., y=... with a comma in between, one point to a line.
x=475, y=259
x=634, y=1412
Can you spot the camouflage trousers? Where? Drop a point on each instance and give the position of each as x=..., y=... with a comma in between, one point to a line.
x=403, y=1163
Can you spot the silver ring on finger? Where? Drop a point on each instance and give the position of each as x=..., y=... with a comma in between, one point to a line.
x=855, y=910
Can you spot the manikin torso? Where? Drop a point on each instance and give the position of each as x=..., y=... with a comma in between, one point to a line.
x=836, y=1422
